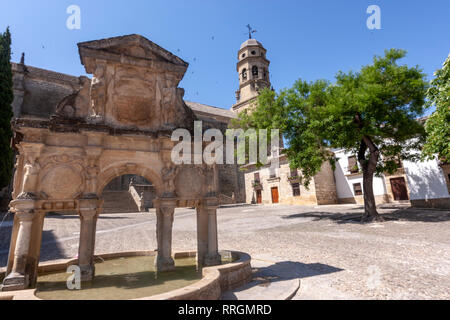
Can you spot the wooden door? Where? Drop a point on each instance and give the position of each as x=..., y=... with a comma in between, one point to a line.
x=399, y=191
x=274, y=195
x=258, y=196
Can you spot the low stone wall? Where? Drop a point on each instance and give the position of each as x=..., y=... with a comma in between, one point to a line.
x=441, y=203
x=215, y=280
x=379, y=199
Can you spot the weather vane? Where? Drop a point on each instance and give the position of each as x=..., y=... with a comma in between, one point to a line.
x=250, y=31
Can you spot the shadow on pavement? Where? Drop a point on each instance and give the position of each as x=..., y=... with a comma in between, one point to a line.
x=282, y=271
x=406, y=214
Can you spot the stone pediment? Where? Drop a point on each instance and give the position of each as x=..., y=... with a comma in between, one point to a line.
x=133, y=49
x=135, y=84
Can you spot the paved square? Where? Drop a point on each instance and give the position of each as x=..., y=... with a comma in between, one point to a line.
x=336, y=257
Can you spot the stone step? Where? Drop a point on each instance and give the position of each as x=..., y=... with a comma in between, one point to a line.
x=271, y=281
x=119, y=202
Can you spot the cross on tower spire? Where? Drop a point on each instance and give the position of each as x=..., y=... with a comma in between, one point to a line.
x=250, y=31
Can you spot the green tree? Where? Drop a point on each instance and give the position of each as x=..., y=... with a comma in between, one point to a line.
x=438, y=124
x=371, y=113
x=6, y=98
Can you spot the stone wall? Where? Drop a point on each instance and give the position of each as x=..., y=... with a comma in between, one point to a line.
x=322, y=185
x=325, y=185
x=231, y=182
x=440, y=203
x=37, y=92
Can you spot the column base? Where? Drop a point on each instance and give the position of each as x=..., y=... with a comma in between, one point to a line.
x=87, y=273
x=164, y=264
x=213, y=260
x=15, y=281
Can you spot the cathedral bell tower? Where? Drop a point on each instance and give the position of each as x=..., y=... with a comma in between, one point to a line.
x=253, y=70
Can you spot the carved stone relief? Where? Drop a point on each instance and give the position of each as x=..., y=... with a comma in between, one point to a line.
x=62, y=177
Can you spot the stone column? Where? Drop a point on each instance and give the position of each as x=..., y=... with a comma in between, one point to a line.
x=88, y=211
x=165, y=209
x=212, y=257
x=18, y=279
x=202, y=234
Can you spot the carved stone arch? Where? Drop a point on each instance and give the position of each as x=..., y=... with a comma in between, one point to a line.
x=115, y=171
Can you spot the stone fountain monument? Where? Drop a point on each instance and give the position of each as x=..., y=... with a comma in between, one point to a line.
x=119, y=122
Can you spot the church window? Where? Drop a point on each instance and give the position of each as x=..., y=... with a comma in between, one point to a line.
x=243, y=55
x=253, y=52
x=255, y=71
x=244, y=74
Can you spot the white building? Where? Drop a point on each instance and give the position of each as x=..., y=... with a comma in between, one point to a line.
x=424, y=184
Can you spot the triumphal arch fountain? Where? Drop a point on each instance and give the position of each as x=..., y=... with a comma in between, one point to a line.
x=119, y=122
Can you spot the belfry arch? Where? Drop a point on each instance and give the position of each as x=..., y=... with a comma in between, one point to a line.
x=120, y=122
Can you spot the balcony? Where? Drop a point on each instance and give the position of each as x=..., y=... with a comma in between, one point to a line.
x=294, y=179
x=256, y=184
x=351, y=171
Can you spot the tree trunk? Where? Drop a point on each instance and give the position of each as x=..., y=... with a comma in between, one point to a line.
x=369, y=166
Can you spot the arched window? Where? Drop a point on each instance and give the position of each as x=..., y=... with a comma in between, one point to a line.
x=255, y=71
x=244, y=74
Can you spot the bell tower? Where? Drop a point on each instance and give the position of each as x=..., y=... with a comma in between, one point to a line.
x=253, y=70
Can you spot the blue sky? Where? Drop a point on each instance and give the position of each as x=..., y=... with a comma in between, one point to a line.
x=305, y=39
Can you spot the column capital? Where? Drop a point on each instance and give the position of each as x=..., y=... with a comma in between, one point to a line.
x=23, y=205
x=31, y=149
x=25, y=215
x=165, y=202
x=93, y=203
x=88, y=214
x=211, y=203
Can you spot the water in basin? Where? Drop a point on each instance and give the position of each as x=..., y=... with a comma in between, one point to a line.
x=120, y=279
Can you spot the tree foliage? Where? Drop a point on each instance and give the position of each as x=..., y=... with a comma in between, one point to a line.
x=6, y=99
x=438, y=124
x=371, y=113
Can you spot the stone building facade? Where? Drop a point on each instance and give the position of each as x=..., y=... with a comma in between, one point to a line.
x=118, y=123
x=284, y=185
x=423, y=184
x=38, y=93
